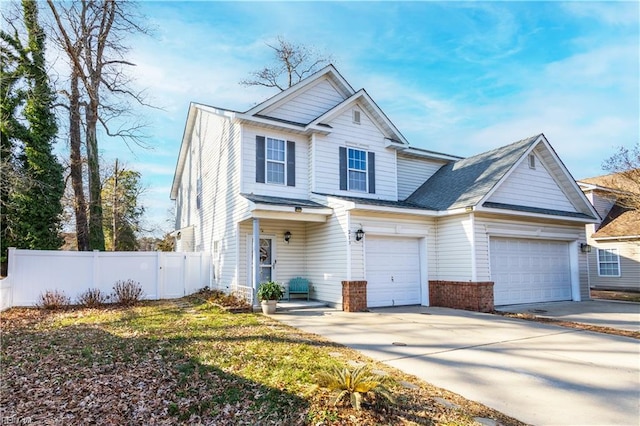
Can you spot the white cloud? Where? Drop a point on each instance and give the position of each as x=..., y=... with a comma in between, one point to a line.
x=610, y=12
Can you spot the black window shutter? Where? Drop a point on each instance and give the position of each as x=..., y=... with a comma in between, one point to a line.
x=372, y=171
x=343, y=168
x=291, y=163
x=260, y=159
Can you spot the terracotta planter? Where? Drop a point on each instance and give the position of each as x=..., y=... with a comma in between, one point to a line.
x=269, y=307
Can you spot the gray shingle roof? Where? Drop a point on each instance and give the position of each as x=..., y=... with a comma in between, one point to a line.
x=375, y=202
x=281, y=201
x=539, y=210
x=465, y=182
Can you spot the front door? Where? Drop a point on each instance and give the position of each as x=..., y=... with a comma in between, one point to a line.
x=267, y=259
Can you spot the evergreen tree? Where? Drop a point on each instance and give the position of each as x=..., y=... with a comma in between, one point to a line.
x=121, y=213
x=37, y=204
x=12, y=131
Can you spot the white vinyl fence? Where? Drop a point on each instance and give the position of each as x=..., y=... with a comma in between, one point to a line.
x=162, y=275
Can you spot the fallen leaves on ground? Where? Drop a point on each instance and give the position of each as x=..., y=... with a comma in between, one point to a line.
x=188, y=362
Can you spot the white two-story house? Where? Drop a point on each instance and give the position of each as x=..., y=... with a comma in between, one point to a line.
x=317, y=182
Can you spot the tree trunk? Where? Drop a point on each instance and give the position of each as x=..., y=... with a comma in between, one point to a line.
x=114, y=207
x=75, y=144
x=96, y=233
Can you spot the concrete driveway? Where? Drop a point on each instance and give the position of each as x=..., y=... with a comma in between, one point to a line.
x=603, y=313
x=538, y=373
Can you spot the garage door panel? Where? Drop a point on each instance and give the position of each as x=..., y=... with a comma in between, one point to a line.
x=393, y=271
x=528, y=270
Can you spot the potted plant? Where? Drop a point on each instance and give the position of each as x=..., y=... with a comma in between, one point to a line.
x=269, y=293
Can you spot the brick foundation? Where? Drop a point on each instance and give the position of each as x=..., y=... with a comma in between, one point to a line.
x=470, y=296
x=354, y=296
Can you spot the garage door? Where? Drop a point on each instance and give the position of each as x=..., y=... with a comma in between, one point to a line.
x=529, y=271
x=393, y=271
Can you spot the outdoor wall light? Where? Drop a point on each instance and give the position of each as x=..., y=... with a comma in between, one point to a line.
x=359, y=234
x=298, y=209
x=585, y=248
x=287, y=237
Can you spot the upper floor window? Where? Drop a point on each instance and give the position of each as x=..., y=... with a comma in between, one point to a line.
x=357, y=170
x=275, y=161
x=608, y=263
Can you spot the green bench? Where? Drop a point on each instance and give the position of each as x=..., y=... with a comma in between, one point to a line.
x=298, y=285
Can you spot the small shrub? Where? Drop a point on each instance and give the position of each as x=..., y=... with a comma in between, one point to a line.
x=354, y=384
x=53, y=300
x=127, y=292
x=270, y=290
x=92, y=298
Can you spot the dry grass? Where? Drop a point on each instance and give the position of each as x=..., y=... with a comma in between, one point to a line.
x=188, y=362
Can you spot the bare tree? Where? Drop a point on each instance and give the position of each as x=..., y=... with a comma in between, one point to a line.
x=293, y=62
x=91, y=33
x=625, y=168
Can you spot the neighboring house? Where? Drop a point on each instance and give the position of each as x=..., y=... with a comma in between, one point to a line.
x=614, y=261
x=317, y=182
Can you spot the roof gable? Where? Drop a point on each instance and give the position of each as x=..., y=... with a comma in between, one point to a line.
x=306, y=104
x=471, y=182
x=329, y=73
x=465, y=182
x=379, y=118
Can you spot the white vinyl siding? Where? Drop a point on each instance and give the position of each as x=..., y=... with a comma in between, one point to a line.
x=308, y=105
x=453, y=249
x=213, y=156
x=366, y=137
x=413, y=172
x=532, y=188
x=327, y=256
x=249, y=184
x=608, y=262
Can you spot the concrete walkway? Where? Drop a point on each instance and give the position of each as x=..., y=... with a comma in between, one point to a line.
x=538, y=373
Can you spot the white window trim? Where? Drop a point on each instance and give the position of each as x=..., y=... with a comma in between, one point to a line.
x=267, y=161
x=532, y=161
x=365, y=171
x=612, y=251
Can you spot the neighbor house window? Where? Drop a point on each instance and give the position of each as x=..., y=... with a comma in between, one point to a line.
x=608, y=263
x=275, y=161
x=357, y=170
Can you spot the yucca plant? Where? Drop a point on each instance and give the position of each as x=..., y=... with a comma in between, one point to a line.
x=354, y=384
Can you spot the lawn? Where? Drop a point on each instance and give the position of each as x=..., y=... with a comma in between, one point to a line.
x=187, y=361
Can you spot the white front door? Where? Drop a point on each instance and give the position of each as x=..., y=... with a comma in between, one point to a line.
x=267, y=259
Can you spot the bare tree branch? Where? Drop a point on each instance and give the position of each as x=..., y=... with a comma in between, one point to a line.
x=293, y=63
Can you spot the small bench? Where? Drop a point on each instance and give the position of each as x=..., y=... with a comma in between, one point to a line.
x=298, y=285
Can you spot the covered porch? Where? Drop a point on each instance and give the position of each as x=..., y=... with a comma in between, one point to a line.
x=273, y=244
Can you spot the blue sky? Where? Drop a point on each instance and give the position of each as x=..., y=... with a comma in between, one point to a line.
x=454, y=77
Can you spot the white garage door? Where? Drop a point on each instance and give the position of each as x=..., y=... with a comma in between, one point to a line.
x=530, y=271
x=393, y=271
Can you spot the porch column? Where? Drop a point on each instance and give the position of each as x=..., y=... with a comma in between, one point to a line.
x=256, y=261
